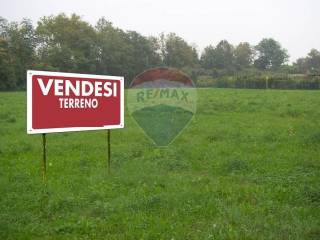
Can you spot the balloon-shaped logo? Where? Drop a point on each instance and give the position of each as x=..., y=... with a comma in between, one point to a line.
x=162, y=101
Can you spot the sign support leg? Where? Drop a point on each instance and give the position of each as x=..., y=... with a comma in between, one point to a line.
x=44, y=159
x=109, y=151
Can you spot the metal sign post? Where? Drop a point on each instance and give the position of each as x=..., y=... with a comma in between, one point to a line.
x=109, y=150
x=44, y=159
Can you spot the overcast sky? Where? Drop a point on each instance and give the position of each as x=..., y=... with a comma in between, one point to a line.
x=294, y=23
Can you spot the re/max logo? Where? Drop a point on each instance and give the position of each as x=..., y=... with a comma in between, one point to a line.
x=158, y=93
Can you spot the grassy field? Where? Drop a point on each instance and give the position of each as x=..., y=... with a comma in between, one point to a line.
x=247, y=167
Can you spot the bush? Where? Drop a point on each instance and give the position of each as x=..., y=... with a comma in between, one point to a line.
x=261, y=80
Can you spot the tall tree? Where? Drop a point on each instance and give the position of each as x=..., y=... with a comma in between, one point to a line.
x=7, y=79
x=313, y=61
x=176, y=52
x=18, y=43
x=243, y=54
x=66, y=44
x=224, y=57
x=7, y=75
x=220, y=57
x=301, y=65
x=207, y=59
x=270, y=54
x=309, y=64
x=143, y=52
x=114, y=50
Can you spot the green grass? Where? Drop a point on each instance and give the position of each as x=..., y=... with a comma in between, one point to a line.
x=247, y=167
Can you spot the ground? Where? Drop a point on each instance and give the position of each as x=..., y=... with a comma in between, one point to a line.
x=247, y=167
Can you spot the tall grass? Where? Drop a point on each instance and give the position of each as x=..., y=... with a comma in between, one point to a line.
x=247, y=167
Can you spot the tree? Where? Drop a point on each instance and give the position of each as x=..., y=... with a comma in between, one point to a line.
x=7, y=76
x=313, y=61
x=224, y=57
x=124, y=53
x=243, y=54
x=17, y=47
x=270, y=54
x=66, y=44
x=301, y=65
x=207, y=59
x=143, y=54
x=114, y=50
x=7, y=81
x=309, y=64
x=3, y=27
x=219, y=60
x=176, y=52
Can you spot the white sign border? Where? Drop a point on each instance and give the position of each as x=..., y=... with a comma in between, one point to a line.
x=31, y=130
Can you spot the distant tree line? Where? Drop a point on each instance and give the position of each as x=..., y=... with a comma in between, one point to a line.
x=69, y=44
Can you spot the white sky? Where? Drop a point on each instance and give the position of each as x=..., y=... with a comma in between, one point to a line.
x=294, y=23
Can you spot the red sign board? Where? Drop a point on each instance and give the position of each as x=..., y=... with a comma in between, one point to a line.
x=61, y=102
